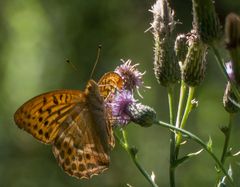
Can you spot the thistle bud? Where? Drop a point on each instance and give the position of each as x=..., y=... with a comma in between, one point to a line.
x=181, y=47
x=205, y=21
x=232, y=34
x=194, y=66
x=228, y=105
x=166, y=68
x=141, y=114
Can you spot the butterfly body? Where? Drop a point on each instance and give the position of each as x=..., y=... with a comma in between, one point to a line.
x=75, y=124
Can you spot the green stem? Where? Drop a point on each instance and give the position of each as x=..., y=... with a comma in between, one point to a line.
x=172, y=137
x=133, y=153
x=227, y=138
x=200, y=142
x=180, y=104
x=187, y=111
x=223, y=69
x=171, y=103
x=227, y=133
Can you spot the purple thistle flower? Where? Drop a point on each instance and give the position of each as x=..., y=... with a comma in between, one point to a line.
x=131, y=76
x=126, y=109
x=119, y=106
x=229, y=70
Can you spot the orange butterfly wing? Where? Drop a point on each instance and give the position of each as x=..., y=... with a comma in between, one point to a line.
x=43, y=115
x=79, y=149
x=109, y=83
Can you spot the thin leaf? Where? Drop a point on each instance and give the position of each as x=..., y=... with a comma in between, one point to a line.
x=190, y=155
x=209, y=143
x=236, y=154
x=153, y=176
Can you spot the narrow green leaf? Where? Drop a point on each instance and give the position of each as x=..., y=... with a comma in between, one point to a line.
x=209, y=144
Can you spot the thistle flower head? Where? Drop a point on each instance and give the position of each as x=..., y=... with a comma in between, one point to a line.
x=131, y=76
x=126, y=109
x=119, y=106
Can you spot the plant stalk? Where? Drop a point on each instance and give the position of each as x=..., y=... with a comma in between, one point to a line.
x=187, y=111
x=200, y=142
x=172, y=137
x=227, y=138
x=133, y=154
x=180, y=103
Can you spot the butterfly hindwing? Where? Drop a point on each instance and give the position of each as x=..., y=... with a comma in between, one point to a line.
x=43, y=115
x=81, y=147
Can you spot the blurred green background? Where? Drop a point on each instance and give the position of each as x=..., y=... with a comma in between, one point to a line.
x=37, y=36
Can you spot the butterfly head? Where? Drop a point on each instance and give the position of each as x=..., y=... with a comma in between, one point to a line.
x=92, y=94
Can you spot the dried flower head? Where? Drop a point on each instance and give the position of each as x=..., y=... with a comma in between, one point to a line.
x=232, y=33
x=166, y=68
x=205, y=21
x=131, y=76
x=194, y=66
x=163, y=18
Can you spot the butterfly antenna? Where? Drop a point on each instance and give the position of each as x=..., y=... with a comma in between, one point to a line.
x=97, y=59
x=73, y=66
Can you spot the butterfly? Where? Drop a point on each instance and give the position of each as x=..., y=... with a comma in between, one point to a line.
x=76, y=123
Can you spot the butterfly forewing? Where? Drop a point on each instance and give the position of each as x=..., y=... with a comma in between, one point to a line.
x=43, y=115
